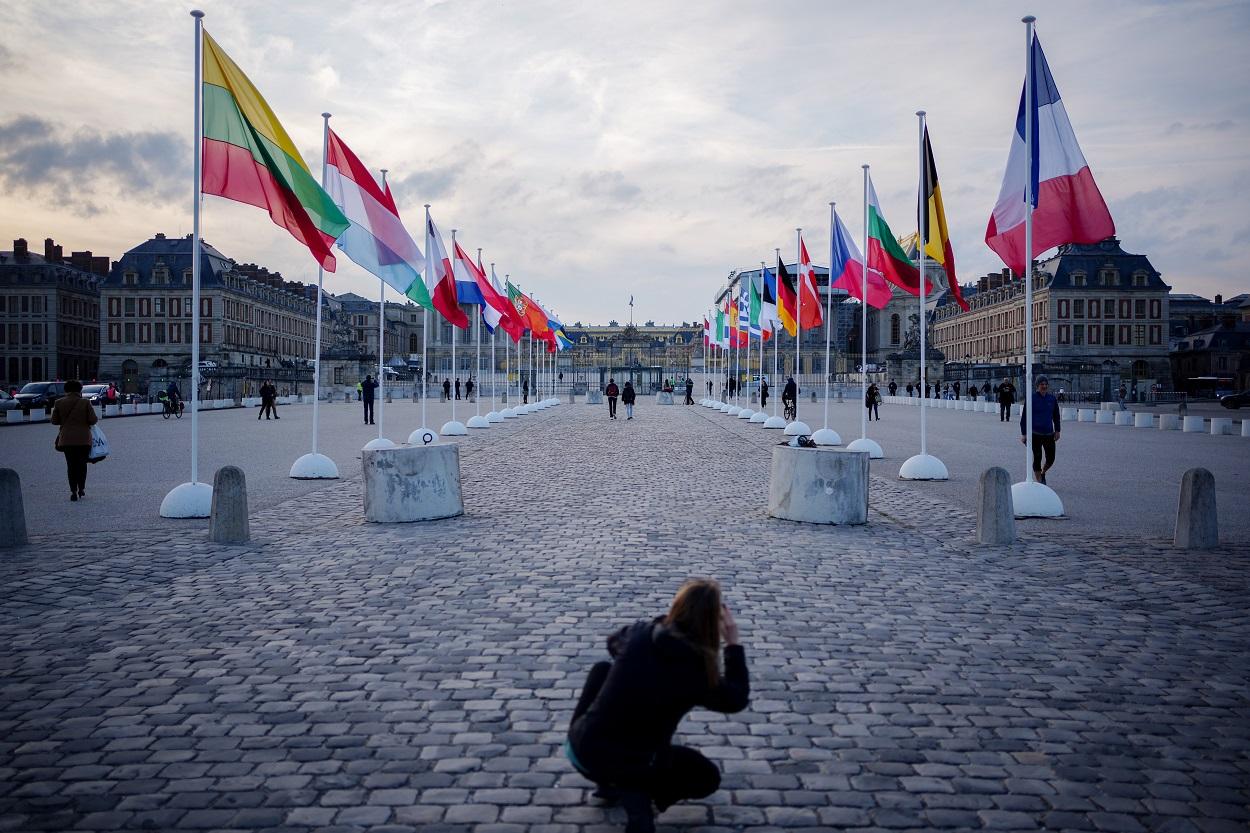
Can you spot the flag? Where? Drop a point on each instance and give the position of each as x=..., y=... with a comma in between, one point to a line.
x=724, y=321
x=248, y=157
x=498, y=311
x=759, y=327
x=810, y=311
x=440, y=281
x=467, y=290
x=1067, y=205
x=786, y=298
x=376, y=239
x=527, y=312
x=490, y=316
x=707, y=333
x=933, y=223
x=512, y=325
x=885, y=255
x=769, y=319
x=847, y=269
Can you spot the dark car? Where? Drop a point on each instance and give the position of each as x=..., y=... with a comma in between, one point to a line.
x=95, y=394
x=1236, y=400
x=39, y=395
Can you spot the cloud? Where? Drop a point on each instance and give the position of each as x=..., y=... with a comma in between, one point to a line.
x=1223, y=126
x=87, y=170
x=438, y=178
x=608, y=185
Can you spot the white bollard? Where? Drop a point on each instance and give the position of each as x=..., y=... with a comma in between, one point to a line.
x=1106, y=417
x=1085, y=415
x=1194, y=425
x=1124, y=417
x=1169, y=422
x=1221, y=426
x=1143, y=420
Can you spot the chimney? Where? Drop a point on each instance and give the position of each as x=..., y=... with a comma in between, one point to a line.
x=100, y=266
x=1219, y=299
x=49, y=250
x=19, y=249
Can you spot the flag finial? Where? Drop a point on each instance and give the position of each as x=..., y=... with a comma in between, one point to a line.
x=197, y=13
x=920, y=112
x=1028, y=18
x=325, y=115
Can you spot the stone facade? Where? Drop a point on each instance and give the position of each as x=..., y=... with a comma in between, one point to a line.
x=49, y=314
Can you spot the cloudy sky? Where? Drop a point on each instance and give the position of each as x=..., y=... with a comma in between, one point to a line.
x=597, y=150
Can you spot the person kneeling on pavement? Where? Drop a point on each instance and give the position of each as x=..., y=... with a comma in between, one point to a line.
x=621, y=734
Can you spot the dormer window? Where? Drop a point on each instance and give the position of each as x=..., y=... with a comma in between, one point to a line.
x=1140, y=279
x=1108, y=277
x=1078, y=279
x=160, y=276
x=130, y=279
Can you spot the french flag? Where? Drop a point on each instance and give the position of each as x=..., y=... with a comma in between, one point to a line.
x=846, y=265
x=1067, y=205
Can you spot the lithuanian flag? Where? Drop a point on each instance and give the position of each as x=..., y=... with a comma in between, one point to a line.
x=248, y=157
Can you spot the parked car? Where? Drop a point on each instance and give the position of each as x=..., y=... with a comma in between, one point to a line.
x=39, y=394
x=1236, y=400
x=95, y=393
x=7, y=402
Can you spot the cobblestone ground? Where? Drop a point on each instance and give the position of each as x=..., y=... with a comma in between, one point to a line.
x=340, y=676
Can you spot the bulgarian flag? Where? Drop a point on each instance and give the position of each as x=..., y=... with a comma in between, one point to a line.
x=248, y=157
x=885, y=255
x=846, y=267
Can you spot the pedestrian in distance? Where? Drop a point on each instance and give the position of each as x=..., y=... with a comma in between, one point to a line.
x=689, y=392
x=763, y=393
x=110, y=395
x=621, y=734
x=268, y=393
x=468, y=389
x=525, y=392
x=709, y=388
x=872, y=398
x=909, y=390
x=985, y=391
x=1121, y=396
x=367, y=387
x=360, y=393
x=955, y=388
x=446, y=389
x=790, y=399
x=1006, y=398
x=1044, y=409
x=928, y=390
x=893, y=388
x=612, y=392
x=457, y=387
x=628, y=396
x=75, y=416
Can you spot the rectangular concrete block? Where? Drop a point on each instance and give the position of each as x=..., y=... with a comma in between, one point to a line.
x=1105, y=417
x=1085, y=415
x=996, y=514
x=1067, y=414
x=1194, y=425
x=1169, y=422
x=1221, y=426
x=818, y=485
x=1197, y=527
x=1124, y=417
x=1245, y=428
x=1143, y=420
x=418, y=483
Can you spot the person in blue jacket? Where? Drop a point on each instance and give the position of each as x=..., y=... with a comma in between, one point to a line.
x=1045, y=410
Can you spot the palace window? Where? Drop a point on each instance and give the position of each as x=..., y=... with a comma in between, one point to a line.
x=1095, y=334
x=1108, y=308
x=1126, y=334
x=1078, y=279
x=145, y=333
x=158, y=332
x=1078, y=308
x=1156, y=334
x=115, y=307
x=1064, y=334
x=145, y=307
x=1108, y=277
x=895, y=329
x=115, y=333
x=129, y=306
x=1108, y=335
x=1139, y=308
x=1078, y=334
x=1139, y=335
x=158, y=306
x=129, y=333
x=1126, y=308
x=1094, y=311
x=130, y=279
x=1063, y=310
x=1141, y=279
x=1156, y=308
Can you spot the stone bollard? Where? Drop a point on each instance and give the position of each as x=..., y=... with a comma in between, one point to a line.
x=572, y=397
x=1105, y=417
x=1142, y=420
x=996, y=515
x=1245, y=427
x=414, y=483
x=1196, y=524
x=1169, y=422
x=227, y=520
x=12, y=514
x=1221, y=425
x=813, y=396
x=1194, y=424
x=1125, y=417
x=594, y=397
x=818, y=485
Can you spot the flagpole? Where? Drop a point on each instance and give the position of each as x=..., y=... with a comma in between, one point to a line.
x=314, y=466
x=382, y=341
x=777, y=344
x=1029, y=105
x=425, y=324
x=478, y=368
x=829, y=304
x=454, y=369
x=863, y=325
x=796, y=427
x=194, y=499
x=748, y=289
x=494, y=368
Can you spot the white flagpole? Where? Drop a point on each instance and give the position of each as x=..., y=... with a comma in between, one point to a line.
x=863, y=325
x=194, y=499
x=1028, y=248
x=478, y=367
x=798, y=315
x=748, y=288
x=454, y=369
x=777, y=344
x=425, y=320
x=829, y=303
x=494, y=368
x=923, y=226
x=381, y=403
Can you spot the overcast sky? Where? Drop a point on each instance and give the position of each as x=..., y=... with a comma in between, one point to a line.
x=597, y=150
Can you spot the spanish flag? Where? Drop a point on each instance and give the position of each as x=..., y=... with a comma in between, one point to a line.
x=933, y=216
x=248, y=157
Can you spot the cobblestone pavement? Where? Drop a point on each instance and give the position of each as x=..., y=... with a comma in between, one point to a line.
x=340, y=676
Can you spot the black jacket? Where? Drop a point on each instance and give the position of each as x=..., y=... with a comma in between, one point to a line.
x=367, y=388
x=656, y=678
x=628, y=395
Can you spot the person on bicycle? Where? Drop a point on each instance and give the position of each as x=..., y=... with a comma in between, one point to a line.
x=790, y=396
x=175, y=396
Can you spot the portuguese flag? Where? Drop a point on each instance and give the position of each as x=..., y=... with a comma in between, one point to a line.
x=248, y=157
x=885, y=255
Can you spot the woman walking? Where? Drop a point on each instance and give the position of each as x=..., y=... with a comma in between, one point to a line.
x=621, y=735
x=75, y=416
x=872, y=398
x=627, y=399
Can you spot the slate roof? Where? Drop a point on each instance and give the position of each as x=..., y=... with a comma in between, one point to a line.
x=175, y=254
x=1089, y=258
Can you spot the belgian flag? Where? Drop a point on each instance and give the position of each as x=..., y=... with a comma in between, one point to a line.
x=933, y=223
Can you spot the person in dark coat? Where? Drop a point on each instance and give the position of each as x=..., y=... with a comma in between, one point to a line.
x=628, y=396
x=1006, y=398
x=468, y=389
x=621, y=734
x=268, y=393
x=872, y=397
x=525, y=392
x=1044, y=410
x=790, y=395
x=893, y=388
x=612, y=392
x=709, y=388
x=763, y=393
x=75, y=416
x=457, y=387
x=689, y=393
x=446, y=390
x=367, y=387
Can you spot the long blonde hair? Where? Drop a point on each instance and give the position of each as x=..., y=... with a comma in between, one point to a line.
x=695, y=613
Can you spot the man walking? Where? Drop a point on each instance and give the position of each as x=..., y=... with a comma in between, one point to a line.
x=267, y=395
x=612, y=392
x=367, y=387
x=893, y=388
x=1044, y=409
x=468, y=389
x=457, y=387
x=763, y=393
x=689, y=392
x=709, y=388
x=446, y=389
x=1006, y=398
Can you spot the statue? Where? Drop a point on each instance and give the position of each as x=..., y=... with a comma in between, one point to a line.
x=911, y=341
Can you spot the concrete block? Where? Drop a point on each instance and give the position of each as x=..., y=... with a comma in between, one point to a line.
x=572, y=397
x=1067, y=414
x=1124, y=417
x=1221, y=425
x=1169, y=422
x=1194, y=425
x=818, y=485
x=1143, y=420
x=594, y=397
x=1105, y=417
x=1085, y=415
x=996, y=516
x=664, y=397
x=1245, y=427
x=1109, y=406
x=417, y=483
x=1197, y=527
x=12, y=513
x=227, y=520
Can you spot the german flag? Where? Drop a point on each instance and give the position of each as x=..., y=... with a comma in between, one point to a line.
x=933, y=219
x=787, y=298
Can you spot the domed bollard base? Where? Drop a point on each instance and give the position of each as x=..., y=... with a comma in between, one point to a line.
x=189, y=500
x=314, y=467
x=865, y=444
x=923, y=467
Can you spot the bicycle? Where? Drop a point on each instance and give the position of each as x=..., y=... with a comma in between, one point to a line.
x=791, y=410
x=169, y=408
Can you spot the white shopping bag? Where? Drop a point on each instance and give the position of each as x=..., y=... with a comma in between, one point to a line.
x=99, y=445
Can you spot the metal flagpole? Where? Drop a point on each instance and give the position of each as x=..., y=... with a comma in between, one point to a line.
x=748, y=289
x=923, y=226
x=425, y=321
x=798, y=315
x=829, y=304
x=777, y=344
x=494, y=368
x=381, y=341
x=863, y=324
x=314, y=466
x=1029, y=105
x=478, y=368
x=194, y=499
x=454, y=369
